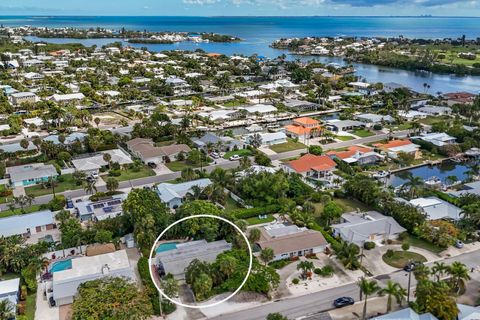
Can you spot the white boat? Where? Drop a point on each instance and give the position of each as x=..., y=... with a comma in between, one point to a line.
x=381, y=174
x=254, y=128
x=433, y=182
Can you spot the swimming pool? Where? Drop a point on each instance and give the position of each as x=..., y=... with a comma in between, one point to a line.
x=166, y=247
x=61, y=265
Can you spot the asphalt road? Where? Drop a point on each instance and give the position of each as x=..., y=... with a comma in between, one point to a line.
x=321, y=301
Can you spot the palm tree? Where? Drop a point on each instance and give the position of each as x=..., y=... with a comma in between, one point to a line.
x=305, y=266
x=414, y=184
x=256, y=140
x=90, y=187
x=6, y=309
x=347, y=253
x=267, y=255
x=421, y=272
x=451, y=179
x=393, y=290
x=227, y=265
x=459, y=273
x=245, y=163
x=439, y=269
x=367, y=288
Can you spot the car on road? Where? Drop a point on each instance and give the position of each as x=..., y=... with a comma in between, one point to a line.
x=152, y=165
x=411, y=266
x=459, y=244
x=343, y=302
x=69, y=204
x=235, y=157
x=214, y=155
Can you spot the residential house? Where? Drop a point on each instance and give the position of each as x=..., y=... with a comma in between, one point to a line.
x=27, y=224
x=394, y=147
x=261, y=109
x=23, y=97
x=269, y=138
x=10, y=290
x=146, y=150
x=372, y=226
x=92, y=163
x=211, y=140
x=390, y=87
x=468, y=188
x=175, y=260
x=173, y=195
x=300, y=106
x=65, y=283
x=466, y=313
x=304, y=128
x=435, y=208
x=30, y=174
x=344, y=125
x=375, y=118
x=312, y=166
x=357, y=155
x=435, y=110
x=69, y=97
x=459, y=98
x=288, y=241
x=439, y=139
x=109, y=207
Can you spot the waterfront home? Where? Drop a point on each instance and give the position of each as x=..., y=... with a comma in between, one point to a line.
x=312, y=166
x=174, y=261
x=439, y=139
x=372, y=226
x=303, y=128
x=252, y=94
x=64, y=285
x=300, y=106
x=30, y=174
x=23, y=97
x=108, y=207
x=211, y=140
x=375, y=118
x=288, y=241
x=467, y=188
x=435, y=110
x=146, y=150
x=10, y=291
x=412, y=115
x=173, y=195
x=466, y=312
x=390, y=87
x=459, y=98
x=394, y=147
x=336, y=125
x=357, y=155
x=269, y=138
x=27, y=224
x=261, y=109
x=435, y=208
x=92, y=163
x=364, y=88
x=220, y=115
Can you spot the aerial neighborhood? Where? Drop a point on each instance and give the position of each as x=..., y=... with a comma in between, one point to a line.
x=347, y=191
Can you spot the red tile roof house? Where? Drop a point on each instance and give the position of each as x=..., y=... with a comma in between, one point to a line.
x=394, y=147
x=459, y=97
x=303, y=128
x=312, y=166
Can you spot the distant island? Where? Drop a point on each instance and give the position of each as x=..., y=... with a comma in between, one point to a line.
x=449, y=56
x=147, y=37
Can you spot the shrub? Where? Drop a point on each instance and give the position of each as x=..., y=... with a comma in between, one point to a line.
x=389, y=253
x=405, y=246
x=369, y=245
x=389, y=241
x=377, y=126
x=57, y=203
x=317, y=271
x=115, y=173
x=403, y=236
x=327, y=271
x=295, y=281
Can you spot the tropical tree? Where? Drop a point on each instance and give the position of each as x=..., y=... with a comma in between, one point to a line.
x=227, y=265
x=459, y=274
x=24, y=143
x=169, y=286
x=331, y=212
x=202, y=286
x=245, y=163
x=347, y=253
x=112, y=184
x=6, y=310
x=89, y=187
x=276, y=316
x=439, y=269
x=367, y=288
x=393, y=290
x=306, y=267
x=414, y=184
x=254, y=235
x=267, y=255
x=256, y=140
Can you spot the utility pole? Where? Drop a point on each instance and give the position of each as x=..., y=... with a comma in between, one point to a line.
x=409, y=280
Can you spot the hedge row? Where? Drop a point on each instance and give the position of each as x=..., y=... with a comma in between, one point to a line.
x=254, y=212
x=334, y=242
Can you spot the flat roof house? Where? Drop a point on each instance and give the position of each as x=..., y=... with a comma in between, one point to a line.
x=269, y=138
x=27, y=224
x=466, y=313
x=357, y=155
x=439, y=139
x=300, y=105
x=68, y=97
x=367, y=226
x=30, y=174
x=436, y=208
x=289, y=241
x=173, y=195
x=344, y=125
x=10, y=290
x=312, y=166
x=146, y=150
x=65, y=283
x=375, y=118
x=93, y=163
x=109, y=207
x=175, y=261
x=217, y=142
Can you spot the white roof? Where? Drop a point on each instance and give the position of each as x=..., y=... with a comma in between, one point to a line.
x=262, y=108
x=67, y=97
x=168, y=191
x=9, y=286
x=18, y=224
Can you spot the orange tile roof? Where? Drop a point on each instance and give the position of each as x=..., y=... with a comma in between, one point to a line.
x=393, y=144
x=350, y=152
x=310, y=161
x=306, y=121
x=214, y=55
x=298, y=130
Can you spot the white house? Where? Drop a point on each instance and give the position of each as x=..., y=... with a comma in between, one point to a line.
x=269, y=139
x=173, y=195
x=27, y=224
x=436, y=208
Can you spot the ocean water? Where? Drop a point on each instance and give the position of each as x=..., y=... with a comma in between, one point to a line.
x=258, y=33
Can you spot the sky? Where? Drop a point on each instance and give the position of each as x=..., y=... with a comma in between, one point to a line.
x=241, y=7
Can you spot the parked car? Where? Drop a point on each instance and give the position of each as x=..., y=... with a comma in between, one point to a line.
x=411, y=266
x=51, y=302
x=235, y=157
x=343, y=301
x=459, y=244
x=69, y=204
x=214, y=155
x=94, y=175
x=152, y=165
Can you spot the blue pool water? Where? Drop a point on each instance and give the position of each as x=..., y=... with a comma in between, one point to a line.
x=61, y=265
x=166, y=247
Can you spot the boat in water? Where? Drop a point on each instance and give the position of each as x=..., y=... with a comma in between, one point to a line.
x=380, y=174
x=433, y=182
x=254, y=128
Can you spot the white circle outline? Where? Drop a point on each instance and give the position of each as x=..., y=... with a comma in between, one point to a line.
x=212, y=304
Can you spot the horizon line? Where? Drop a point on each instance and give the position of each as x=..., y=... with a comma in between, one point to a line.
x=241, y=16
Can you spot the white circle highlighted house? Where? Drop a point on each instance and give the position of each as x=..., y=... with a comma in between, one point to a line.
x=170, y=260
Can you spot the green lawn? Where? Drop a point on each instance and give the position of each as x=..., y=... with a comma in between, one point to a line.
x=180, y=165
x=255, y=220
x=241, y=153
x=288, y=146
x=344, y=138
x=350, y=205
x=401, y=258
x=130, y=174
x=420, y=243
x=8, y=213
x=68, y=183
x=31, y=305
x=363, y=133
x=230, y=204
x=403, y=126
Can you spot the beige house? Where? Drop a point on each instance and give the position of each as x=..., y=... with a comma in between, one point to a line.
x=146, y=150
